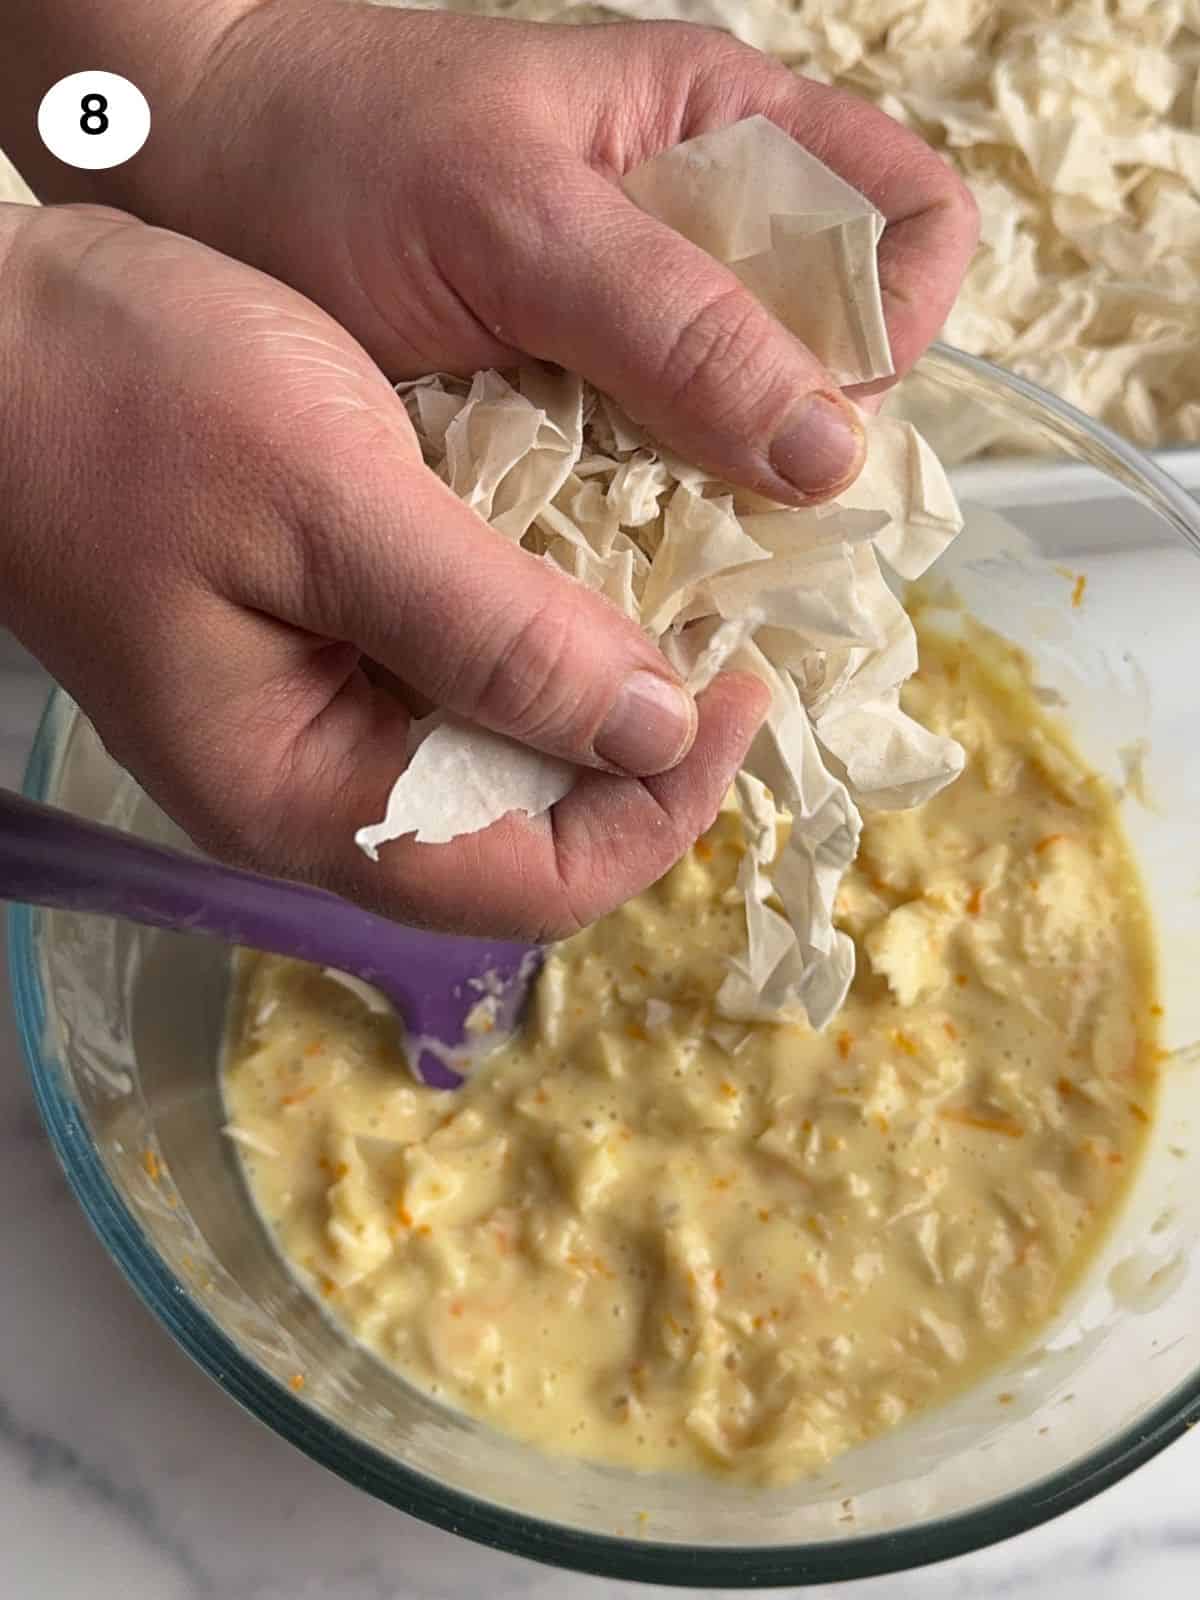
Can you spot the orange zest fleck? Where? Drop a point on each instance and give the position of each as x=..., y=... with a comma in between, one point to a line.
x=703, y=849
x=977, y=1119
x=1156, y=1011
x=763, y=1214
x=296, y=1381
x=718, y=1280
x=636, y=1031
x=845, y=1043
x=1077, y=591
x=1049, y=840
x=721, y=1183
x=1065, y=1088
x=456, y=1308
x=403, y=1214
x=152, y=1165
x=727, y=1089
x=642, y=972
x=951, y=1030
x=1098, y=1151
x=904, y=1041
x=315, y=1048
x=961, y=979
x=297, y=1096
x=1138, y=1111
x=975, y=903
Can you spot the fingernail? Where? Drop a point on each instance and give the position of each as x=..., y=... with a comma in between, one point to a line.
x=821, y=448
x=650, y=727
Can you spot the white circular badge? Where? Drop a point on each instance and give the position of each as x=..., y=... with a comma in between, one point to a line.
x=94, y=120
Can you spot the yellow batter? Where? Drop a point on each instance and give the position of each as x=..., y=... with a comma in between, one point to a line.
x=651, y=1237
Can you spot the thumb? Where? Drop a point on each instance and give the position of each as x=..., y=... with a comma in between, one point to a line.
x=476, y=624
x=685, y=348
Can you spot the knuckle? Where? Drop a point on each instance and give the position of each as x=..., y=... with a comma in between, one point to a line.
x=725, y=360
x=714, y=54
x=703, y=347
x=942, y=188
x=562, y=911
x=519, y=679
x=570, y=907
x=328, y=566
x=330, y=559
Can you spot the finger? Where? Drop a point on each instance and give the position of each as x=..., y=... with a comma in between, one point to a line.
x=605, y=840
x=651, y=319
x=538, y=878
x=932, y=218
x=394, y=562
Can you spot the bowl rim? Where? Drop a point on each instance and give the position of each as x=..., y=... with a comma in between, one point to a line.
x=398, y=1484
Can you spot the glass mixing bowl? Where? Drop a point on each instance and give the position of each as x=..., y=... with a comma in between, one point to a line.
x=122, y=1028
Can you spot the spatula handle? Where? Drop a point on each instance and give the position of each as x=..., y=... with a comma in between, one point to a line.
x=50, y=858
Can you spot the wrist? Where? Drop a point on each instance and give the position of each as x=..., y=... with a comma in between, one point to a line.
x=14, y=219
x=163, y=46
x=40, y=247
x=253, y=137
x=183, y=49
x=17, y=376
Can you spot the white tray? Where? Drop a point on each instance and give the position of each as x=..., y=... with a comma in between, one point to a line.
x=1029, y=481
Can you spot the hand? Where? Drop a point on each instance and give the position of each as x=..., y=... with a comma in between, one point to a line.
x=219, y=535
x=446, y=188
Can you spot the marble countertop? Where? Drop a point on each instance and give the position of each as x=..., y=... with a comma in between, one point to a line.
x=125, y=1473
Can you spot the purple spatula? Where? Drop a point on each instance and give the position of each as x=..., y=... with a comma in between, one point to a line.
x=50, y=858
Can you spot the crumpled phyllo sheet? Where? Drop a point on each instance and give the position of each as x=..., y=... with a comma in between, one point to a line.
x=801, y=238
x=717, y=577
